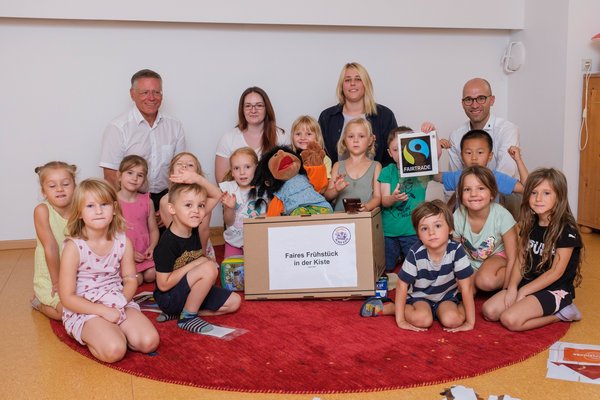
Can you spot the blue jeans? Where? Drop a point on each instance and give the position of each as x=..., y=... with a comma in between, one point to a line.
x=396, y=246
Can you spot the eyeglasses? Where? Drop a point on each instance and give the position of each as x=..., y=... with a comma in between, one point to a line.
x=183, y=165
x=467, y=101
x=147, y=93
x=257, y=106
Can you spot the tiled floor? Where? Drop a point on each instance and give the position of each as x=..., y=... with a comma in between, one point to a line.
x=36, y=365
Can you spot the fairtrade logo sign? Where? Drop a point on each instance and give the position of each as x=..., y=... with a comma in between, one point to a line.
x=418, y=154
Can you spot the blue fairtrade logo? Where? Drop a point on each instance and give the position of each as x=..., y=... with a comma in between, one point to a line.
x=415, y=146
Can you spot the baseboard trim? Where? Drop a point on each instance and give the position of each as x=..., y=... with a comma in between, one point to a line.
x=216, y=234
x=17, y=244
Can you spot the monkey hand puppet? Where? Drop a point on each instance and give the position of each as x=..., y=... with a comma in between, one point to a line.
x=292, y=188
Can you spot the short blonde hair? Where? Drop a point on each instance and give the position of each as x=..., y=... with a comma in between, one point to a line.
x=185, y=153
x=341, y=145
x=103, y=192
x=179, y=188
x=42, y=170
x=312, y=125
x=369, y=98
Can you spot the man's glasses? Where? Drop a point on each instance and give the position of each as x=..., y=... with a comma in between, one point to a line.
x=467, y=101
x=147, y=93
x=257, y=106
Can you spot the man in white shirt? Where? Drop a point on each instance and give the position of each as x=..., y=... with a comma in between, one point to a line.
x=145, y=131
x=477, y=100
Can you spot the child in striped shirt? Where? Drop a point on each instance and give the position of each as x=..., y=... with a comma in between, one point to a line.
x=435, y=268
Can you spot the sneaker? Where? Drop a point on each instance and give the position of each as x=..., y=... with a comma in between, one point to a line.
x=372, y=307
x=569, y=313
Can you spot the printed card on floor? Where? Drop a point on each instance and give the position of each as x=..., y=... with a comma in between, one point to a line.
x=574, y=362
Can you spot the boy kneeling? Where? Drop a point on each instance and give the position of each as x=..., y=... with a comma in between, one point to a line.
x=184, y=277
x=433, y=271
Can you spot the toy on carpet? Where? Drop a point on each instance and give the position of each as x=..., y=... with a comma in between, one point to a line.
x=292, y=183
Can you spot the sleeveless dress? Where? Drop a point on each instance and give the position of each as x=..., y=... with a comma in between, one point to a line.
x=136, y=216
x=42, y=284
x=361, y=188
x=99, y=281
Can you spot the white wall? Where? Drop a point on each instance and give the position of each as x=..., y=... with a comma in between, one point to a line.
x=64, y=80
x=536, y=91
x=486, y=14
x=583, y=24
x=545, y=95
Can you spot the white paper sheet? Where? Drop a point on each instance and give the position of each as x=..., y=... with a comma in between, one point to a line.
x=315, y=256
x=574, y=362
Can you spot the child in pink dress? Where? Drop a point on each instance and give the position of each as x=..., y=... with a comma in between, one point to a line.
x=138, y=211
x=97, y=278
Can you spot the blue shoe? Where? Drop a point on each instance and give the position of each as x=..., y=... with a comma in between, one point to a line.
x=372, y=307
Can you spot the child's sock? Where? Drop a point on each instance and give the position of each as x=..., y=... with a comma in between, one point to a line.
x=569, y=313
x=35, y=303
x=193, y=323
x=163, y=317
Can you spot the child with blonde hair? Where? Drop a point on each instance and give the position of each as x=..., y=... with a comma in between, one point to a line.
x=237, y=203
x=138, y=211
x=542, y=284
x=182, y=162
x=184, y=276
x=97, y=278
x=57, y=181
x=305, y=130
x=356, y=175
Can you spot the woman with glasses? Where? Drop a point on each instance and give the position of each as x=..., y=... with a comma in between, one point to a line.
x=355, y=100
x=256, y=128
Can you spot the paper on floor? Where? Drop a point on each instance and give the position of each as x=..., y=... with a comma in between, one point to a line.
x=464, y=393
x=574, y=362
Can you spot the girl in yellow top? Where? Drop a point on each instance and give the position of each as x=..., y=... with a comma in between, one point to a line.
x=57, y=180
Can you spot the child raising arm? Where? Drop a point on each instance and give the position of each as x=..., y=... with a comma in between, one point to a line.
x=184, y=276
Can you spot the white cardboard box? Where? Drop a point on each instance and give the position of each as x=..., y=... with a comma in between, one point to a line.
x=329, y=255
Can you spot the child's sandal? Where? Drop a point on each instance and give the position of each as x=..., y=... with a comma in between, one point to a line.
x=372, y=307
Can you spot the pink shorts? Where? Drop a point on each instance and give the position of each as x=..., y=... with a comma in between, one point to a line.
x=501, y=254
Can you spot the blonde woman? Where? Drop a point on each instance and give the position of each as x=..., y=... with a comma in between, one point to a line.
x=356, y=100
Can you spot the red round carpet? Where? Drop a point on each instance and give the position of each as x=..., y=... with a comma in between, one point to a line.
x=325, y=347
